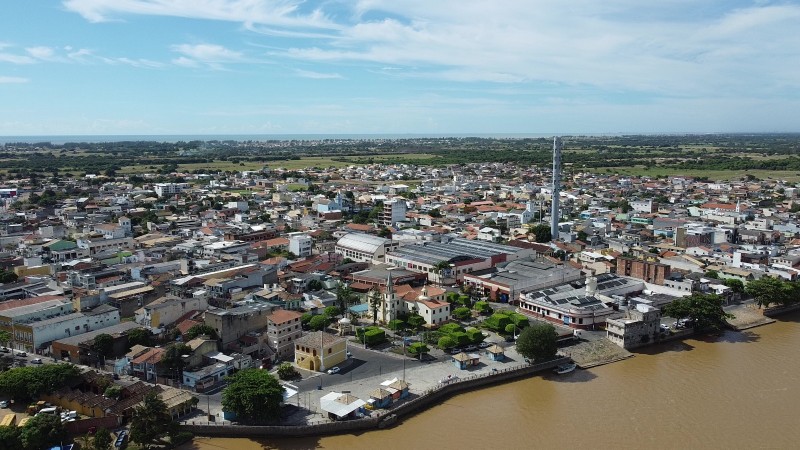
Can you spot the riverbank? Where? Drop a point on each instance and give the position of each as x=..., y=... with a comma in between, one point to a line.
x=428, y=385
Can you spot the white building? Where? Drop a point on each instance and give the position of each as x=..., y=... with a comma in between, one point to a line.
x=300, y=244
x=167, y=189
x=39, y=335
x=393, y=211
x=283, y=329
x=362, y=247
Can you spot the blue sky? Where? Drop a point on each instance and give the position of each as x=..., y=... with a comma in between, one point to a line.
x=398, y=66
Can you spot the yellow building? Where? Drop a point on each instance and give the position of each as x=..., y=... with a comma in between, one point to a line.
x=319, y=351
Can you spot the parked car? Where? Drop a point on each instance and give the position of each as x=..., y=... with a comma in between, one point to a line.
x=3, y=404
x=484, y=344
x=4, y=349
x=36, y=361
x=455, y=351
x=333, y=370
x=21, y=353
x=470, y=348
x=664, y=327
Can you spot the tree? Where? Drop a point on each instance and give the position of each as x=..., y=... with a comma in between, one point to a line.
x=103, y=344
x=151, y=421
x=446, y=342
x=736, y=285
x=705, y=310
x=713, y=274
x=442, y=268
x=253, y=395
x=418, y=348
x=769, y=290
x=541, y=232
x=199, y=330
x=43, y=431
x=374, y=300
x=332, y=311
x=435, y=213
x=286, y=371
x=396, y=325
x=318, y=322
x=27, y=383
x=344, y=297
x=314, y=285
x=483, y=307
x=5, y=337
x=462, y=313
x=582, y=236
x=415, y=321
x=7, y=276
x=101, y=440
x=172, y=359
x=10, y=437
x=538, y=342
x=139, y=336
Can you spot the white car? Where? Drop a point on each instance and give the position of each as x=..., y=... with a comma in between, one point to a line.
x=333, y=370
x=3, y=404
x=36, y=361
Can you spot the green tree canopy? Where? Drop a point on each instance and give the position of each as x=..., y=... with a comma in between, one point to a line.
x=418, y=348
x=318, y=322
x=253, y=395
x=27, y=383
x=5, y=337
x=333, y=311
x=286, y=371
x=104, y=345
x=704, y=309
x=43, y=431
x=151, y=421
x=769, y=290
x=538, y=342
x=541, y=232
x=483, y=307
x=462, y=313
x=172, y=359
x=446, y=342
x=139, y=336
x=10, y=437
x=416, y=321
x=736, y=285
x=199, y=330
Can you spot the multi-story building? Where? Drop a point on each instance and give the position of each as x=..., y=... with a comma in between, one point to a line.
x=283, y=329
x=167, y=310
x=319, y=351
x=38, y=335
x=393, y=211
x=641, y=326
x=168, y=189
x=649, y=270
x=300, y=244
x=232, y=324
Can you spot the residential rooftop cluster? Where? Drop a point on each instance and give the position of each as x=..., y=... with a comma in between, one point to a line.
x=248, y=254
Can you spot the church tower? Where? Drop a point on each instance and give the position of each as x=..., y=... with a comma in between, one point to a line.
x=388, y=310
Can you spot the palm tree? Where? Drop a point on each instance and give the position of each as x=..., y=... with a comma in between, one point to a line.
x=374, y=299
x=344, y=297
x=441, y=267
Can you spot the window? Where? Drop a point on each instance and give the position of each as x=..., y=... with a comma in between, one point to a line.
x=329, y=350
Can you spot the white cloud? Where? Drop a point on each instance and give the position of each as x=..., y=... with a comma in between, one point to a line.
x=208, y=53
x=281, y=13
x=317, y=75
x=41, y=52
x=9, y=80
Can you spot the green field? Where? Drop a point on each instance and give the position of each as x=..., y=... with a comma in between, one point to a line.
x=720, y=175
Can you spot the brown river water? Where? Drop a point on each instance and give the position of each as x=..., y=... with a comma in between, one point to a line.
x=739, y=390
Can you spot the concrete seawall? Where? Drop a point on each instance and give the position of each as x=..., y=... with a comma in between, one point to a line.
x=386, y=418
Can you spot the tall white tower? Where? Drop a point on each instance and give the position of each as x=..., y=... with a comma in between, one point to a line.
x=555, y=213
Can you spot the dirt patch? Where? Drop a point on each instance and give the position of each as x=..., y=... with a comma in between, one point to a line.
x=595, y=353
